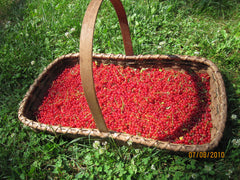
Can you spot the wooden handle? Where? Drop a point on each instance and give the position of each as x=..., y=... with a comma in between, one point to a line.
x=85, y=58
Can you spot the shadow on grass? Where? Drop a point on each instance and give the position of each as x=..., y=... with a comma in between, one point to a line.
x=217, y=9
x=232, y=126
x=11, y=10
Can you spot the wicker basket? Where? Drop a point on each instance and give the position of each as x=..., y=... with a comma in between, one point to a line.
x=38, y=89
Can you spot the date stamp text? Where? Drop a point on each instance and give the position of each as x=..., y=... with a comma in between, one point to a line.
x=204, y=155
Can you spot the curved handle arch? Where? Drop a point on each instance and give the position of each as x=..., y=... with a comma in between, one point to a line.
x=85, y=57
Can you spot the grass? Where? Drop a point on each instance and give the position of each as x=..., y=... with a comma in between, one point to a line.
x=33, y=33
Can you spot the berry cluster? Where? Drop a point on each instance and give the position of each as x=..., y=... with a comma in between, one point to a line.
x=162, y=104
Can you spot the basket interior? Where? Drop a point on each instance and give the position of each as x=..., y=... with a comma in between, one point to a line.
x=41, y=85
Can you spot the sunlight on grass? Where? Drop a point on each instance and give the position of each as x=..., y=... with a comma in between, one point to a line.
x=35, y=32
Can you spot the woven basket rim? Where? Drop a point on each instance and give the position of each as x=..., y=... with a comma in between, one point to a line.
x=123, y=136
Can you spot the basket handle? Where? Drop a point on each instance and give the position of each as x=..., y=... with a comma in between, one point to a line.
x=86, y=44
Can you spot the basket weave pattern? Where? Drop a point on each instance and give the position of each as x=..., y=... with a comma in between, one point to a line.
x=38, y=89
x=34, y=96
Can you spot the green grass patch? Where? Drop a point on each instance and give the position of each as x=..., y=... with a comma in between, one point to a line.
x=33, y=33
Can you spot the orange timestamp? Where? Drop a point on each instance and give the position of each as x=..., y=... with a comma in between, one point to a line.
x=204, y=155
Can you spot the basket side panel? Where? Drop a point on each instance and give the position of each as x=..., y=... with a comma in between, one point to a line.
x=218, y=105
